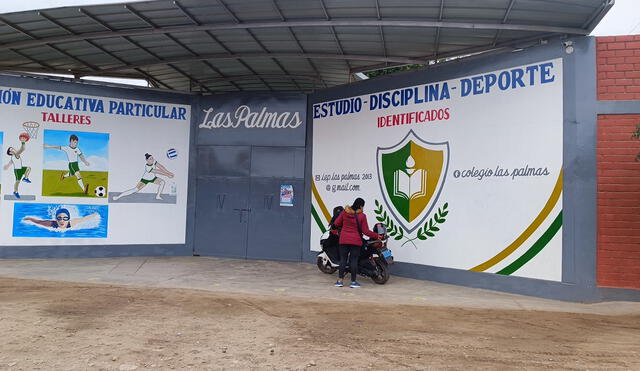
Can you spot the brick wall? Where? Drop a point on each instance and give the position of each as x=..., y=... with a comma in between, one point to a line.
x=618, y=59
x=618, y=172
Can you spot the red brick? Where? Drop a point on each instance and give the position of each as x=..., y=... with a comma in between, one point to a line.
x=631, y=59
x=616, y=46
x=616, y=89
x=606, y=67
x=609, y=53
x=631, y=45
x=633, y=89
x=620, y=263
x=620, y=53
x=605, y=39
x=625, y=38
x=623, y=81
x=603, y=224
x=630, y=75
x=604, y=238
x=607, y=97
x=625, y=67
x=616, y=60
x=636, y=52
x=608, y=82
x=615, y=74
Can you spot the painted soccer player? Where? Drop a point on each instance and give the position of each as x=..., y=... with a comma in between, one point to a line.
x=62, y=220
x=73, y=155
x=21, y=172
x=151, y=171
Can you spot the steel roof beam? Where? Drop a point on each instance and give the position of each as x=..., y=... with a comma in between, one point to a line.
x=149, y=77
x=255, y=39
x=436, y=43
x=384, y=42
x=335, y=36
x=240, y=56
x=191, y=78
x=43, y=64
x=357, y=22
x=598, y=14
x=300, y=47
x=193, y=19
x=28, y=34
x=90, y=42
x=275, y=76
x=504, y=46
x=504, y=20
x=237, y=20
x=140, y=16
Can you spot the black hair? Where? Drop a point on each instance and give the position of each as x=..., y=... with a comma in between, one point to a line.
x=73, y=137
x=357, y=204
x=336, y=213
x=146, y=156
x=9, y=151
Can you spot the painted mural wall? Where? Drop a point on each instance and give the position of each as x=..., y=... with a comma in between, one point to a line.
x=89, y=170
x=465, y=173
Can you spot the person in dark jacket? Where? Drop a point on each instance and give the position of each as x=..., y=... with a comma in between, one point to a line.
x=351, y=239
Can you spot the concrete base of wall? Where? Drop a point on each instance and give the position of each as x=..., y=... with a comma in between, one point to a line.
x=516, y=285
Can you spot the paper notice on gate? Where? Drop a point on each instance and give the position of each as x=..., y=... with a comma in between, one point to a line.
x=286, y=195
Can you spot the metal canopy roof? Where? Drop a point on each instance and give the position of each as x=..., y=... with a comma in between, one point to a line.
x=274, y=45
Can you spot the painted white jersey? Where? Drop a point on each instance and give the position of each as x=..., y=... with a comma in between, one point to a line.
x=148, y=175
x=17, y=162
x=72, y=153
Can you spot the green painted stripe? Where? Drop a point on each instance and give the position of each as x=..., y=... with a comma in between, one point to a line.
x=536, y=248
x=317, y=218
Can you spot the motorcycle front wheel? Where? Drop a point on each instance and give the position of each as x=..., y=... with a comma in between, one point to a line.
x=325, y=266
x=383, y=273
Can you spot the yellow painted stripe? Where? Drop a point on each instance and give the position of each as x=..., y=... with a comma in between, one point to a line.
x=323, y=208
x=546, y=210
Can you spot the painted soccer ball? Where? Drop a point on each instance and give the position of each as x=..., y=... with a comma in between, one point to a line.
x=172, y=153
x=100, y=191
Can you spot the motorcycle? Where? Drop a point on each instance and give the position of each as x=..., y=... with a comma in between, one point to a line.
x=374, y=260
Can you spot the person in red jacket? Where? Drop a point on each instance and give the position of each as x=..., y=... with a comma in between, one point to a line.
x=351, y=239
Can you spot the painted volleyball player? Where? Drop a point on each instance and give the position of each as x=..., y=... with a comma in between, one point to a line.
x=62, y=220
x=21, y=172
x=74, y=154
x=151, y=171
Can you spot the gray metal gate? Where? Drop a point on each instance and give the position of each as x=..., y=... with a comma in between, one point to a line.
x=238, y=212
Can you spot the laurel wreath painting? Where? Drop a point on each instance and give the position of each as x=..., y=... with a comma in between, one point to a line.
x=428, y=230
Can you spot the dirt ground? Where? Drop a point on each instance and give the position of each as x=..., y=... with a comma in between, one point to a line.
x=51, y=325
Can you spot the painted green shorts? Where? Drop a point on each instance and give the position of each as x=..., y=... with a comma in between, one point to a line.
x=144, y=181
x=73, y=168
x=20, y=172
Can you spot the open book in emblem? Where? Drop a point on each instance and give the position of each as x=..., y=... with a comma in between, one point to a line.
x=410, y=184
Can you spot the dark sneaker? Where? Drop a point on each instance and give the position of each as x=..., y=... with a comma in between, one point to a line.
x=86, y=188
x=354, y=285
x=16, y=194
x=26, y=180
x=338, y=283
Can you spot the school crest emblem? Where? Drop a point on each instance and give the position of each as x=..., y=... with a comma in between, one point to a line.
x=411, y=175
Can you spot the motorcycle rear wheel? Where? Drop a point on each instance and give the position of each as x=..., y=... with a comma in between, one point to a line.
x=383, y=277
x=325, y=268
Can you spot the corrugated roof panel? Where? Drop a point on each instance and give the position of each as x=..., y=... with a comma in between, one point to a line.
x=295, y=30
